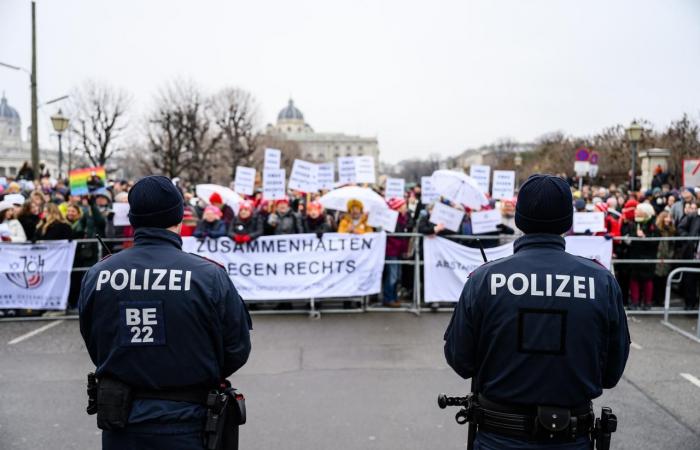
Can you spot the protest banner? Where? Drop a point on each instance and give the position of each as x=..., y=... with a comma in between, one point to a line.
x=364, y=170
x=273, y=158
x=589, y=221
x=448, y=264
x=299, y=266
x=273, y=184
x=304, y=176
x=450, y=217
x=121, y=214
x=428, y=194
x=503, y=184
x=346, y=170
x=486, y=221
x=482, y=176
x=86, y=181
x=383, y=218
x=395, y=188
x=326, y=176
x=245, y=180
x=36, y=276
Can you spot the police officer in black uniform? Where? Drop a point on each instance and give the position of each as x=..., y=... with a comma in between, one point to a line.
x=162, y=326
x=541, y=332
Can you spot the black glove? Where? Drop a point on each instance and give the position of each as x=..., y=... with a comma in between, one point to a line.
x=319, y=234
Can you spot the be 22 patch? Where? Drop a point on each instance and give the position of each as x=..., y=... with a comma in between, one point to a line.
x=141, y=323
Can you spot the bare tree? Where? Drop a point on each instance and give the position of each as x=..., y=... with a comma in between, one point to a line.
x=98, y=119
x=235, y=113
x=290, y=151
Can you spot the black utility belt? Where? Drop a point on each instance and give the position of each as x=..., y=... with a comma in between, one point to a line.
x=535, y=423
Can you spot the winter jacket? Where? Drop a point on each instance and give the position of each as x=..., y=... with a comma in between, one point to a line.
x=688, y=226
x=15, y=231
x=211, y=230
x=289, y=223
x=642, y=249
x=246, y=230
x=346, y=225
x=322, y=224
x=397, y=247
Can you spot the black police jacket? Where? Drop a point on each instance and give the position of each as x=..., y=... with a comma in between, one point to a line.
x=156, y=317
x=541, y=327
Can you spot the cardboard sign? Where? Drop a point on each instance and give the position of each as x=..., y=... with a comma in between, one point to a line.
x=121, y=214
x=450, y=217
x=482, y=175
x=364, y=170
x=503, y=184
x=428, y=194
x=326, y=176
x=87, y=181
x=245, y=180
x=589, y=221
x=395, y=188
x=486, y=221
x=691, y=172
x=273, y=158
x=384, y=218
x=273, y=184
x=346, y=170
x=304, y=176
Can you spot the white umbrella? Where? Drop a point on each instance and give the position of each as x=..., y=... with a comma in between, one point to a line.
x=229, y=197
x=459, y=188
x=338, y=199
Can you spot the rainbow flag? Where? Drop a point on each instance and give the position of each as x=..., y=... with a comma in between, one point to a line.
x=78, y=180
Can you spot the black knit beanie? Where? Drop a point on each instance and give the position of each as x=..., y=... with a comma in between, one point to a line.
x=544, y=205
x=155, y=202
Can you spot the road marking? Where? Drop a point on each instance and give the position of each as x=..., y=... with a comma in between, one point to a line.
x=691, y=378
x=39, y=330
x=636, y=346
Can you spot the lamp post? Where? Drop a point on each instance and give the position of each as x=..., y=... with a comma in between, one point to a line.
x=518, y=161
x=634, y=135
x=60, y=124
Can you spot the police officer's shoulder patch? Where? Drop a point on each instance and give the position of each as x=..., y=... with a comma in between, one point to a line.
x=141, y=323
x=210, y=260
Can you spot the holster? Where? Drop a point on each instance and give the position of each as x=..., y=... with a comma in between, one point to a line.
x=114, y=400
x=225, y=413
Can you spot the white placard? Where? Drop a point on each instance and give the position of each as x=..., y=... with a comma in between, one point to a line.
x=395, y=188
x=450, y=217
x=581, y=167
x=304, y=176
x=326, y=176
x=591, y=247
x=346, y=170
x=503, y=184
x=486, y=221
x=589, y=221
x=364, y=170
x=428, y=194
x=245, y=180
x=273, y=184
x=384, y=218
x=121, y=214
x=691, y=172
x=482, y=176
x=273, y=158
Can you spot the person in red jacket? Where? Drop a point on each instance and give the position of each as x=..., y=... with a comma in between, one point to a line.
x=396, y=249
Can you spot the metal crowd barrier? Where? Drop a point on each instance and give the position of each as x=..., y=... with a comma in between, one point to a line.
x=667, y=303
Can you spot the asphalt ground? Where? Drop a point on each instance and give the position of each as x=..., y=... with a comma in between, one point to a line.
x=366, y=381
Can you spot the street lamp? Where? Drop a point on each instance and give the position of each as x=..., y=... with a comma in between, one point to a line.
x=60, y=124
x=518, y=160
x=634, y=135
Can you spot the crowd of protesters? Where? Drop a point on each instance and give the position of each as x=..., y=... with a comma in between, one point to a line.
x=46, y=210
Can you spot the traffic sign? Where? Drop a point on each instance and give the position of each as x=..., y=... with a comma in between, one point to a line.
x=582, y=154
x=594, y=158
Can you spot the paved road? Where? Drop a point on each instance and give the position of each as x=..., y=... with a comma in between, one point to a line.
x=341, y=382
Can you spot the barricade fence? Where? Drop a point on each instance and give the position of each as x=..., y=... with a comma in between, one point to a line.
x=89, y=251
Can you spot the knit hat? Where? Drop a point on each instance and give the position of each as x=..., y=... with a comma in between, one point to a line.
x=246, y=204
x=215, y=198
x=155, y=202
x=628, y=210
x=352, y=203
x=214, y=210
x=396, y=203
x=314, y=206
x=544, y=205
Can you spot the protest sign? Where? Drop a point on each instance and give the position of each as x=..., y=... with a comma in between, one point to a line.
x=364, y=170
x=450, y=217
x=589, y=221
x=273, y=184
x=591, y=247
x=304, y=176
x=383, y=218
x=395, y=188
x=486, y=221
x=326, y=176
x=121, y=214
x=503, y=184
x=89, y=180
x=691, y=172
x=482, y=176
x=428, y=194
x=245, y=180
x=36, y=276
x=346, y=170
x=273, y=158
x=299, y=266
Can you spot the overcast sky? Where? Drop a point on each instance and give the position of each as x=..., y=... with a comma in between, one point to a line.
x=422, y=76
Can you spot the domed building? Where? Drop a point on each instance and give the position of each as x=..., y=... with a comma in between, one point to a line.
x=320, y=147
x=13, y=150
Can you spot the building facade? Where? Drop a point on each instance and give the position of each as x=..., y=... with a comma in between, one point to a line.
x=14, y=151
x=320, y=147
